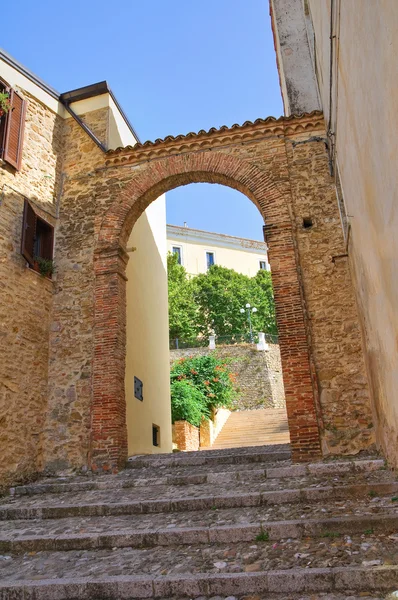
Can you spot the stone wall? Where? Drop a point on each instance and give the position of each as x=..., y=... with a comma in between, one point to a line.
x=68, y=417
x=282, y=166
x=259, y=373
x=334, y=328
x=185, y=436
x=25, y=296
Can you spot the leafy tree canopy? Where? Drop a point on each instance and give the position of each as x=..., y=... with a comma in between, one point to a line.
x=211, y=302
x=183, y=310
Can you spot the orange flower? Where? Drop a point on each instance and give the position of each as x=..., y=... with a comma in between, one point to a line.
x=206, y=382
x=216, y=379
x=194, y=372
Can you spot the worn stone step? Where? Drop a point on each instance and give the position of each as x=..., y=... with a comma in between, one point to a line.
x=165, y=499
x=360, y=564
x=100, y=483
x=19, y=541
x=210, y=457
x=333, y=582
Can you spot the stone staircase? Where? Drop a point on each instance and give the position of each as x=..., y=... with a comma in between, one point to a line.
x=264, y=426
x=241, y=524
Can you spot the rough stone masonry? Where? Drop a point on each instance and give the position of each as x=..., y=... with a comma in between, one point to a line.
x=281, y=165
x=258, y=374
x=64, y=406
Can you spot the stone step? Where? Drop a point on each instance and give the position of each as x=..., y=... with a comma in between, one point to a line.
x=74, y=484
x=163, y=499
x=328, y=584
x=209, y=457
x=253, y=427
x=94, y=534
x=291, y=566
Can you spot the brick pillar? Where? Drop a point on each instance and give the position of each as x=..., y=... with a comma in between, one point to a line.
x=296, y=368
x=108, y=415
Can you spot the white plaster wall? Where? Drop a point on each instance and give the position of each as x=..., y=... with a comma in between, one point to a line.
x=17, y=80
x=295, y=62
x=365, y=120
x=194, y=257
x=147, y=333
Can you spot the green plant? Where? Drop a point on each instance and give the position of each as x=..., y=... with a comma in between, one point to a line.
x=4, y=103
x=368, y=531
x=331, y=534
x=211, y=376
x=187, y=403
x=46, y=266
x=394, y=499
x=372, y=494
x=263, y=536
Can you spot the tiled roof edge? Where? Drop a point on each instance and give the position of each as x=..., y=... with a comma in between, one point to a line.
x=214, y=130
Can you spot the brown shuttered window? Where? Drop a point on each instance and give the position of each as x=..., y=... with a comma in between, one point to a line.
x=28, y=232
x=37, y=242
x=14, y=130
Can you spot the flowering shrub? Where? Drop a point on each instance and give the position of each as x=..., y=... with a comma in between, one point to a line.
x=187, y=403
x=209, y=376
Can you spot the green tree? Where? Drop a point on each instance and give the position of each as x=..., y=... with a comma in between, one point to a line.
x=221, y=293
x=183, y=310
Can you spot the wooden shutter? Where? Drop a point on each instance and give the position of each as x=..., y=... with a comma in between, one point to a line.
x=14, y=130
x=28, y=232
x=47, y=243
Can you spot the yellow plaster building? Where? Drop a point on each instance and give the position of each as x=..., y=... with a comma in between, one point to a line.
x=197, y=250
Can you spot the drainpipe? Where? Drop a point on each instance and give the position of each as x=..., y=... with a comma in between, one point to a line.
x=331, y=54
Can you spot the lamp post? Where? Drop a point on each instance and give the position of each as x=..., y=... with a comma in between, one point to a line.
x=249, y=310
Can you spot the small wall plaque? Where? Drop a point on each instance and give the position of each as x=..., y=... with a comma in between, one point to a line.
x=138, y=389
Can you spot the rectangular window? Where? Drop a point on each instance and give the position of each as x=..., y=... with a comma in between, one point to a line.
x=209, y=259
x=177, y=252
x=263, y=265
x=37, y=241
x=12, y=125
x=155, y=435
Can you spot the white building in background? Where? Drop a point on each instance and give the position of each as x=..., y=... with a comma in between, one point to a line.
x=197, y=250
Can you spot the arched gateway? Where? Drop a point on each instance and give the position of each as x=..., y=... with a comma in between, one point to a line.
x=282, y=166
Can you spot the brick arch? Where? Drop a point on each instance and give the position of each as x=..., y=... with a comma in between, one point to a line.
x=108, y=416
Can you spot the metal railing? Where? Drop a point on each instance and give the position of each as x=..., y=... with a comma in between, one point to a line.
x=221, y=340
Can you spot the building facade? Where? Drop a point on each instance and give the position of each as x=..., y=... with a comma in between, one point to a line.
x=45, y=139
x=197, y=250
x=341, y=57
x=81, y=363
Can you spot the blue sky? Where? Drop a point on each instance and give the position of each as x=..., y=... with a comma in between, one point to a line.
x=175, y=66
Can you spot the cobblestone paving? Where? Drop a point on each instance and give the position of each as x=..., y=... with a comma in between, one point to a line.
x=374, y=506
x=285, y=597
x=345, y=518
x=124, y=495
x=365, y=550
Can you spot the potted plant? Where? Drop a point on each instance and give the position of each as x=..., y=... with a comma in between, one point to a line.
x=45, y=266
x=4, y=103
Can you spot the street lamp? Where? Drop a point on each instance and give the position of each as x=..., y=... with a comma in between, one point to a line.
x=249, y=310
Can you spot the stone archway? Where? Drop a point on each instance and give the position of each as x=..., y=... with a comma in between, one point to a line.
x=152, y=177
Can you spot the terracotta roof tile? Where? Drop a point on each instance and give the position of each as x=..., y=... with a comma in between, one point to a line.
x=213, y=130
